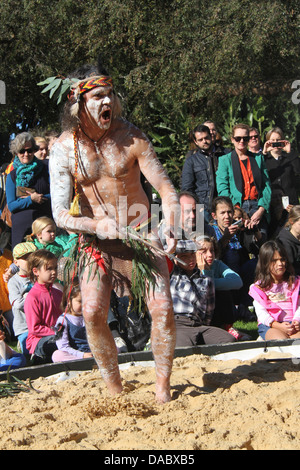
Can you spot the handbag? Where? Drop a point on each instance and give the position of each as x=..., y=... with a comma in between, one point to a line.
x=5, y=214
x=2, y=189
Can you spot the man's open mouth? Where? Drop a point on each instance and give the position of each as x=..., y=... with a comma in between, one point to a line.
x=105, y=116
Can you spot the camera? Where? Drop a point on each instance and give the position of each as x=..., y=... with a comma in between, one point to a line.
x=239, y=223
x=278, y=144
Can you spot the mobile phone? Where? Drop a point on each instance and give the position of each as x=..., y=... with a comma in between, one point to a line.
x=278, y=144
x=239, y=223
x=285, y=201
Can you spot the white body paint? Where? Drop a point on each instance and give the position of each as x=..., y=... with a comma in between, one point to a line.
x=110, y=192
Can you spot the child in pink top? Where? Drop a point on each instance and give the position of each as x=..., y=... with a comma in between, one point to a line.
x=276, y=294
x=42, y=305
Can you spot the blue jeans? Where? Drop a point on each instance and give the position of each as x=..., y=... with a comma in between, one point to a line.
x=262, y=330
x=14, y=362
x=22, y=340
x=45, y=348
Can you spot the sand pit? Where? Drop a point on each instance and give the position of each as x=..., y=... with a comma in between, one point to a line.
x=216, y=405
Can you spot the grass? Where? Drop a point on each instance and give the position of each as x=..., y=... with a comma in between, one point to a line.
x=14, y=345
x=250, y=328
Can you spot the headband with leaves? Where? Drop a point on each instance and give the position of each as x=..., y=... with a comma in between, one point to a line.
x=60, y=88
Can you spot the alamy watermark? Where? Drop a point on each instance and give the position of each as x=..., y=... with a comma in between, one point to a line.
x=296, y=94
x=179, y=222
x=2, y=92
x=296, y=358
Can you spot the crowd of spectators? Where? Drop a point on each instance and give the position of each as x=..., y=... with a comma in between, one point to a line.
x=244, y=196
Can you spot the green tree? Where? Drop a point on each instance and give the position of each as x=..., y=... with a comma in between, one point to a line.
x=188, y=57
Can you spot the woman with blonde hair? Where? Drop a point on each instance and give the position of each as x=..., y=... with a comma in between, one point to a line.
x=242, y=176
x=42, y=152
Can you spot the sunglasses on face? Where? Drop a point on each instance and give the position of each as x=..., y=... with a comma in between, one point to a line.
x=239, y=138
x=256, y=136
x=22, y=151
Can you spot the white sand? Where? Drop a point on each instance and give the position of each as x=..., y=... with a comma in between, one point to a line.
x=215, y=405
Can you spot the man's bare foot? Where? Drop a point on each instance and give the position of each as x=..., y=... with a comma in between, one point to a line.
x=114, y=389
x=113, y=382
x=163, y=394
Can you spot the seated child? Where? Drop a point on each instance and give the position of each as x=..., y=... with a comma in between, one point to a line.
x=18, y=287
x=193, y=301
x=43, y=236
x=225, y=279
x=71, y=339
x=8, y=357
x=276, y=294
x=42, y=305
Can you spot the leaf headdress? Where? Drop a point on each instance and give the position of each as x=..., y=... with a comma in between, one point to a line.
x=58, y=87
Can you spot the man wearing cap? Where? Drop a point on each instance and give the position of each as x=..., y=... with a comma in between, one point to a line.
x=193, y=301
x=18, y=287
x=101, y=156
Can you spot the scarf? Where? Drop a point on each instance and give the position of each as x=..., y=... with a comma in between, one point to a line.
x=27, y=173
x=54, y=247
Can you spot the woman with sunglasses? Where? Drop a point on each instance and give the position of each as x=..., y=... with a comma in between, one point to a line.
x=255, y=145
x=243, y=177
x=27, y=187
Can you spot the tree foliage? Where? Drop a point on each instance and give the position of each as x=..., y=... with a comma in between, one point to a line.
x=188, y=58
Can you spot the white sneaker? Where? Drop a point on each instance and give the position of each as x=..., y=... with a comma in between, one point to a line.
x=121, y=345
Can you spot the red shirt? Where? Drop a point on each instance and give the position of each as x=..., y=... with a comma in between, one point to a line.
x=42, y=309
x=249, y=188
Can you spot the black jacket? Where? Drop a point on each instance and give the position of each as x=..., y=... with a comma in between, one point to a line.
x=292, y=246
x=284, y=174
x=198, y=176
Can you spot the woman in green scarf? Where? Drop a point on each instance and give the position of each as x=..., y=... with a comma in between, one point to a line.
x=27, y=187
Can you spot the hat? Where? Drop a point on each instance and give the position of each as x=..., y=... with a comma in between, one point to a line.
x=186, y=246
x=23, y=249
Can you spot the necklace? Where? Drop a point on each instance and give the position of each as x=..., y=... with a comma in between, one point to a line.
x=92, y=140
x=75, y=208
